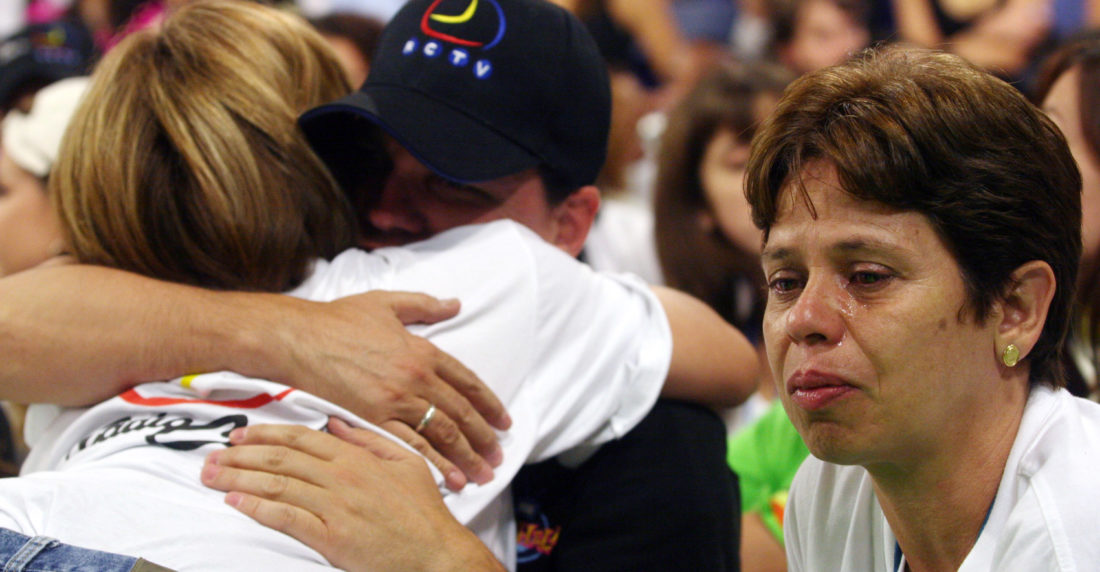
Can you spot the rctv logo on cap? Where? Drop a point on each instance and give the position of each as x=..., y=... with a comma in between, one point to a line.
x=475, y=25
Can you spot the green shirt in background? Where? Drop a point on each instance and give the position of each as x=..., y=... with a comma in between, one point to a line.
x=765, y=456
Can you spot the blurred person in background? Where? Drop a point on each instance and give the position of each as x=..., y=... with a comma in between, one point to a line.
x=706, y=241
x=808, y=35
x=1000, y=36
x=1069, y=92
x=710, y=247
x=30, y=234
x=37, y=56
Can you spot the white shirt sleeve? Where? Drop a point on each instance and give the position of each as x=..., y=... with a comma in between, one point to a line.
x=603, y=350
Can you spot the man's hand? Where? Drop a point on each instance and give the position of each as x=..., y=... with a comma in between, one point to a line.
x=356, y=352
x=360, y=500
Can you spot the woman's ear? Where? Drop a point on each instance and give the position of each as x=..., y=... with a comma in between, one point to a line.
x=1025, y=306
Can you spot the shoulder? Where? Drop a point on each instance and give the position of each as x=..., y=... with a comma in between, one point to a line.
x=1049, y=494
x=454, y=263
x=1057, y=430
x=622, y=240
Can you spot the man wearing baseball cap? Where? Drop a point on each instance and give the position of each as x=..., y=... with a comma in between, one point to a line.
x=486, y=109
x=501, y=109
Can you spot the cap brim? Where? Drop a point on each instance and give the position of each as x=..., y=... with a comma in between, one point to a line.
x=17, y=76
x=446, y=140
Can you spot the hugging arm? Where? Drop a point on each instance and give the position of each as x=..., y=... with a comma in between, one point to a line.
x=712, y=362
x=75, y=335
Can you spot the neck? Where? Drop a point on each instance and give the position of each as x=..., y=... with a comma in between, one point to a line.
x=937, y=505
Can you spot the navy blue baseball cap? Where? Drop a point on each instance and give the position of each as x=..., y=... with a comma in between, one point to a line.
x=476, y=90
x=42, y=54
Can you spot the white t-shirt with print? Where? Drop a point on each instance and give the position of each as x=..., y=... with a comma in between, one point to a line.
x=1044, y=516
x=578, y=358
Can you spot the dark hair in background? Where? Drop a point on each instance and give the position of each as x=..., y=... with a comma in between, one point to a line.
x=924, y=131
x=699, y=261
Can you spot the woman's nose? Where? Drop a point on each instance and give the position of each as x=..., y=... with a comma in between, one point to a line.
x=815, y=317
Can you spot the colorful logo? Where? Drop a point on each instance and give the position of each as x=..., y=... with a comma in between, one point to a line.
x=535, y=537
x=479, y=24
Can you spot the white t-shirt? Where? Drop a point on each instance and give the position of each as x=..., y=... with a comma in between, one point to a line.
x=578, y=358
x=1044, y=516
x=622, y=240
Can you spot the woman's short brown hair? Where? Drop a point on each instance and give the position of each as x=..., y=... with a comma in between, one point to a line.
x=924, y=131
x=185, y=162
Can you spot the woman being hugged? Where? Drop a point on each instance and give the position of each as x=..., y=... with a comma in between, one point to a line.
x=922, y=235
x=197, y=173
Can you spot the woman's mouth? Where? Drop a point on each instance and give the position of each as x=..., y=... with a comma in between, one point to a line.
x=813, y=390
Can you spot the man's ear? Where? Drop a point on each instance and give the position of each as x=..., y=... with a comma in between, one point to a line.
x=1025, y=306
x=573, y=218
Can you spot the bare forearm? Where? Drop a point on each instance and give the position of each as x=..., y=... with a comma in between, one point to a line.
x=75, y=335
x=712, y=362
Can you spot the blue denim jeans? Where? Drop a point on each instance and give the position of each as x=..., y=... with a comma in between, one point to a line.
x=22, y=553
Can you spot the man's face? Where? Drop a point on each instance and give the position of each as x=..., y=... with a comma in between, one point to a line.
x=415, y=203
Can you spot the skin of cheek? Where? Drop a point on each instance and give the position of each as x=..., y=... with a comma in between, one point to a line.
x=29, y=230
x=721, y=173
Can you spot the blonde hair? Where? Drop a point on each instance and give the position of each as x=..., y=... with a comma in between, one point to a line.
x=185, y=162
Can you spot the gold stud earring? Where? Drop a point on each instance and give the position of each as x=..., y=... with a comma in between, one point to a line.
x=1011, y=355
